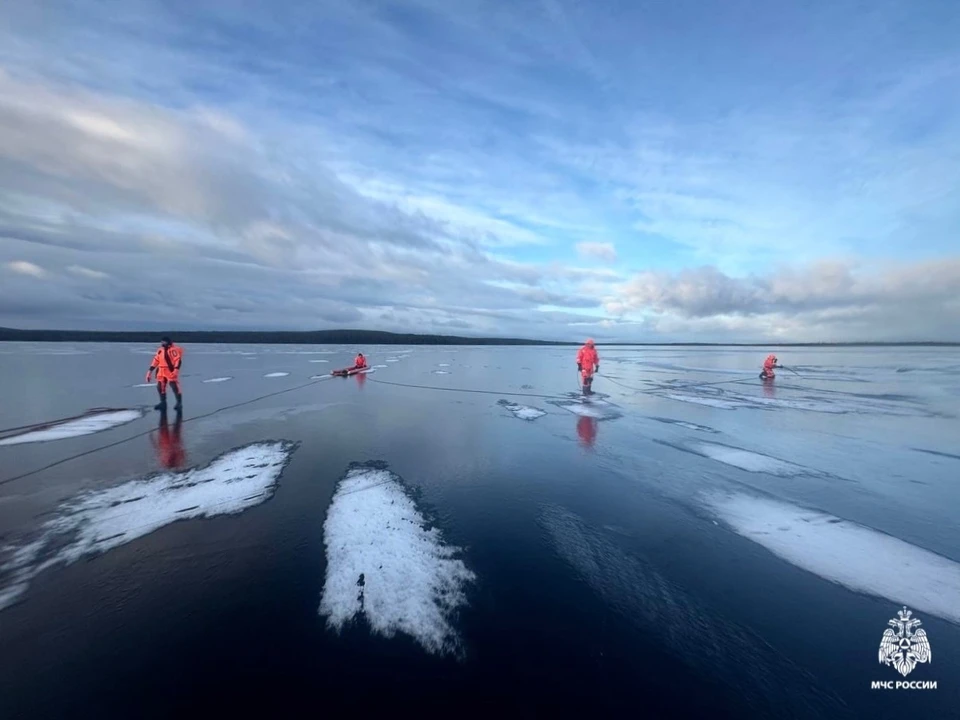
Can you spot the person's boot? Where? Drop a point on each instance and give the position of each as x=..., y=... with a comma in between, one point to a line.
x=179, y=406
x=162, y=405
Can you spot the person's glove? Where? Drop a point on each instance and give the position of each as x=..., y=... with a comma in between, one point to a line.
x=598, y=369
x=579, y=367
x=148, y=376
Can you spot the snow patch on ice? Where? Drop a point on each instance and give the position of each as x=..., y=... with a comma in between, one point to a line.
x=218, y=380
x=393, y=359
x=320, y=377
x=93, y=422
x=385, y=565
x=382, y=367
x=276, y=374
x=708, y=401
x=440, y=372
x=522, y=412
x=319, y=361
x=140, y=385
x=745, y=459
x=443, y=364
x=96, y=521
x=852, y=555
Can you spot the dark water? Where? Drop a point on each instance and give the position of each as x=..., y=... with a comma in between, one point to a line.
x=690, y=543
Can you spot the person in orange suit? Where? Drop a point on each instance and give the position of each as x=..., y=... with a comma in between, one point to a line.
x=166, y=363
x=768, y=366
x=360, y=363
x=588, y=363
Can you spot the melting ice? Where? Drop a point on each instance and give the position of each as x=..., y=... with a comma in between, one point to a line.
x=385, y=565
x=96, y=521
x=93, y=422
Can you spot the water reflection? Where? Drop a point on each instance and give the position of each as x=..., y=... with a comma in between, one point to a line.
x=168, y=442
x=587, y=430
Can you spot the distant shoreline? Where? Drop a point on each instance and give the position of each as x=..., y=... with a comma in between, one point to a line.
x=375, y=337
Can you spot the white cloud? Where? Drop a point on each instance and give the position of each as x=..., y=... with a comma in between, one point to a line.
x=87, y=272
x=598, y=250
x=23, y=267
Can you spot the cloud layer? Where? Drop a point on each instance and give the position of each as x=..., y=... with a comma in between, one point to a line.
x=477, y=169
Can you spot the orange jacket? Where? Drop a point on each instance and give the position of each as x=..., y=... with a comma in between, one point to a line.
x=167, y=361
x=360, y=362
x=770, y=362
x=587, y=357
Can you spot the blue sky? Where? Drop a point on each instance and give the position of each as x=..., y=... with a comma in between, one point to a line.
x=627, y=170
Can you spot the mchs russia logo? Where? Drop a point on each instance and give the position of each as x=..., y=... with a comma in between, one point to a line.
x=904, y=646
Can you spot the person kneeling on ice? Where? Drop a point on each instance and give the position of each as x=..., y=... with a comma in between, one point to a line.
x=768, y=365
x=360, y=363
x=588, y=362
x=167, y=363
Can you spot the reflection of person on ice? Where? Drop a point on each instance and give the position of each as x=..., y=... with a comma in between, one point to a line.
x=768, y=365
x=169, y=443
x=588, y=363
x=167, y=363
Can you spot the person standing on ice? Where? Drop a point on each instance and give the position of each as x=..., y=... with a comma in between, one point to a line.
x=167, y=363
x=588, y=363
x=768, y=365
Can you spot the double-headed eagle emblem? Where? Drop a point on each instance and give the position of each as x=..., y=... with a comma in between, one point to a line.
x=902, y=645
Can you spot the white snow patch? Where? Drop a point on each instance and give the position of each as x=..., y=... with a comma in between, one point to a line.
x=276, y=374
x=593, y=408
x=443, y=364
x=440, y=372
x=319, y=361
x=320, y=377
x=384, y=564
x=218, y=380
x=708, y=401
x=749, y=461
x=96, y=521
x=852, y=555
x=140, y=385
x=393, y=360
x=382, y=367
x=89, y=424
x=522, y=411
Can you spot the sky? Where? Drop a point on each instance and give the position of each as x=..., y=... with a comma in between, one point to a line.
x=696, y=170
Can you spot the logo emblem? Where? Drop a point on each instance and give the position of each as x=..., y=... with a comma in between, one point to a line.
x=902, y=645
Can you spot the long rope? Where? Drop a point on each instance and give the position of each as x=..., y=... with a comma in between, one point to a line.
x=107, y=446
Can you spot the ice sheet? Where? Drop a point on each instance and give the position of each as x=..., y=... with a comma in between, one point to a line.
x=852, y=555
x=93, y=422
x=385, y=565
x=100, y=520
x=522, y=412
x=679, y=625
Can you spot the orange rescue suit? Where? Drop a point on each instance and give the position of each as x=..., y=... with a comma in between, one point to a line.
x=588, y=359
x=167, y=363
x=360, y=362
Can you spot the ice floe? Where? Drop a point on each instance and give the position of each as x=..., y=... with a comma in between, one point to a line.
x=685, y=628
x=93, y=422
x=218, y=380
x=96, y=521
x=276, y=374
x=385, y=565
x=522, y=412
x=852, y=555
x=744, y=459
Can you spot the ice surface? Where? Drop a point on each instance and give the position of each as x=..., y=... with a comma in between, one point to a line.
x=521, y=411
x=852, y=555
x=93, y=422
x=679, y=625
x=685, y=424
x=276, y=374
x=713, y=402
x=100, y=520
x=218, y=380
x=385, y=565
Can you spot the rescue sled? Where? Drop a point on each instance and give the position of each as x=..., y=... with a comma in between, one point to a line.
x=346, y=372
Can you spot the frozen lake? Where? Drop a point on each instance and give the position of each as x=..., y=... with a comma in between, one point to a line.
x=459, y=528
